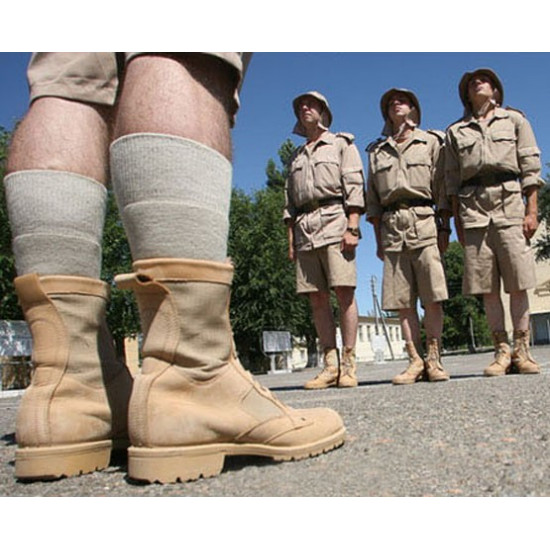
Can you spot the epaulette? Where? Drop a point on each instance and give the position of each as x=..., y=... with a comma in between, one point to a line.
x=508, y=108
x=374, y=143
x=347, y=136
x=454, y=122
x=438, y=134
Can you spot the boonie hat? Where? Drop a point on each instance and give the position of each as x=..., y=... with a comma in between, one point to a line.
x=463, y=85
x=326, y=115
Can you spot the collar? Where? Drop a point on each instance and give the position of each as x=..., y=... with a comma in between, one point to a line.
x=417, y=135
x=499, y=112
x=325, y=137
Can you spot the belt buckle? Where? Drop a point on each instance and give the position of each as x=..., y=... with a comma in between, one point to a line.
x=401, y=205
x=313, y=205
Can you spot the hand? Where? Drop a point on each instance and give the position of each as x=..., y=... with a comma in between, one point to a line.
x=291, y=254
x=530, y=224
x=349, y=242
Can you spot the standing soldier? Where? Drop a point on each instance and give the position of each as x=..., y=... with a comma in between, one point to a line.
x=324, y=201
x=404, y=180
x=492, y=177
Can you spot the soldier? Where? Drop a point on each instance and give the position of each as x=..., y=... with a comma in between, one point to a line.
x=324, y=201
x=492, y=177
x=162, y=136
x=410, y=221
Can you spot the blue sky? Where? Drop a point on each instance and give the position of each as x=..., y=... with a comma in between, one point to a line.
x=353, y=84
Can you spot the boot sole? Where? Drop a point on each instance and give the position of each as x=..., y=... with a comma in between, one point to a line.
x=43, y=463
x=180, y=464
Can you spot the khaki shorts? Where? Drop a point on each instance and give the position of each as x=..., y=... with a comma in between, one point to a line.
x=413, y=274
x=324, y=268
x=492, y=253
x=93, y=77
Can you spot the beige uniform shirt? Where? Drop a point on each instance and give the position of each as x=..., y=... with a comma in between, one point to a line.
x=332, y=169
x=413, y=170
x=504, y=143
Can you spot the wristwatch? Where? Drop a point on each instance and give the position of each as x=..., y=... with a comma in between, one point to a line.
x=355, y=231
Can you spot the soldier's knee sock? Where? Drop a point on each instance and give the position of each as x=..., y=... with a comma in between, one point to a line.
x=173, y=195
x=57, y=222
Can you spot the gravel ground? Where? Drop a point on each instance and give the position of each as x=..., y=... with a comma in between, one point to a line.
x=471, y=436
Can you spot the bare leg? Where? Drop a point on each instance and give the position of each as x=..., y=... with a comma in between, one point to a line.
x=519, y=310
x=191, y=103
x=494, y=311
x=58, y=134
x=349, y=316
x=433, y=320
x=410, y=325
x=323, y=318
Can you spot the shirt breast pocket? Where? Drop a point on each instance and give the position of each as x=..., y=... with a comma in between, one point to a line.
x=504, y=148
x=297, y=173
x=469, y=151
x=383, y=170
x=327, y=168
x=419, y=167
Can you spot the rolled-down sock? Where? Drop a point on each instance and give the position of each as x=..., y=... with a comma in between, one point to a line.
x=173, y=195
x=57, y=222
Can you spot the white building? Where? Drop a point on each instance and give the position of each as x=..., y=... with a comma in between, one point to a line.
x=374, y=342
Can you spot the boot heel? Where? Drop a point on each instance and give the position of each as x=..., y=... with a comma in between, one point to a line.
x=61, y=460
x=170, y=465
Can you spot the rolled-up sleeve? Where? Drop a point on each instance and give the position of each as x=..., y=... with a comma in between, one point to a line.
x=353, y=179
x=528, y=156
x=373, y=206
x=452, y=167
x=439, y=192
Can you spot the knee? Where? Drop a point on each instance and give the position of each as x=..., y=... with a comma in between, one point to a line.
x=345, y=295
x=319, y=299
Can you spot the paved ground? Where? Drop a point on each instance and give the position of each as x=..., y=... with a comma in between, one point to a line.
x=471, y=436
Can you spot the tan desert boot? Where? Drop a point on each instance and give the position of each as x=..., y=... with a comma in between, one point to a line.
x=415, y=368
x=502, y=362
x=193, y=403
x=348, y=377
x=522, y=359
x=434, y=368
x=330, y=374
x=75, y=409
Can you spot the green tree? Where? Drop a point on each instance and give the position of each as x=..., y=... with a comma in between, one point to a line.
x=542, y=246
x=264, y=295
x=9, y=308
x=122, y=313
x=276, y=177
x=465, y=323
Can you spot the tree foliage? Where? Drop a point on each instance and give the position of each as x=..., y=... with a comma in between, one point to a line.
x=542, y=246
x=122, y=313
x=264, y=293
x=9, y=308
x=465, y=323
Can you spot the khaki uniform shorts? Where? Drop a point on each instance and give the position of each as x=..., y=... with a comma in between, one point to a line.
x=93, y=77
x=492, y=253
x=413, y=274
x=321, y=269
